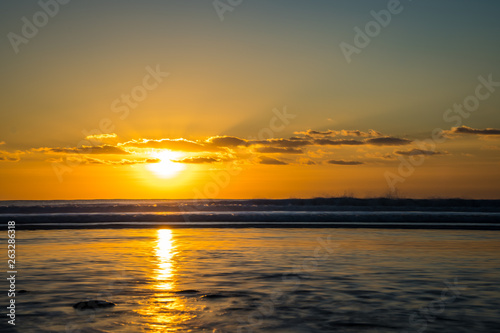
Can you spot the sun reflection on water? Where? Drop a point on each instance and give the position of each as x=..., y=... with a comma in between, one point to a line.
x=165, y=253
x=165, y=311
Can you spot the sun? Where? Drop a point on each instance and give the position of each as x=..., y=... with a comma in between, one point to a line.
x=166, y=168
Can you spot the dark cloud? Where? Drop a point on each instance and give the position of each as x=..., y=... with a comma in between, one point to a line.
x=387, y=141
x=284, y=143
x=197, y=160
x=6, y=158
x=470, y=130
x=342, y=162
x=271, y=161
x=339, y=142
x=414, y=152
x=313, y=132
x=278, y=150
x=227, y=141
x=332, y=133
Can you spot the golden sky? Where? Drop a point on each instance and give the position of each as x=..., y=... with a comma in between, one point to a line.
x=458, y=162
x=172, y=99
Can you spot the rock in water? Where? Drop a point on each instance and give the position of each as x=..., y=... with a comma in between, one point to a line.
x=91, y=305
x=187, y=291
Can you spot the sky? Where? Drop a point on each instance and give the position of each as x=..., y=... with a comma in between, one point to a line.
x=249, y=99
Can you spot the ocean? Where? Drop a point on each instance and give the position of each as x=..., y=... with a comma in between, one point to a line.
x=319, y=212
x=353, y=266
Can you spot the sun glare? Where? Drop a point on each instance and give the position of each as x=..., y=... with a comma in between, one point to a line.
x=166, y=168
x=164, y=251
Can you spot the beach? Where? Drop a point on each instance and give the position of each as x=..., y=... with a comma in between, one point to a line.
x=258, y=280
x=291, y=265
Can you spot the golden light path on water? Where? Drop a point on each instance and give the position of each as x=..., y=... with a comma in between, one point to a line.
x=165, y=310
x=164, y=253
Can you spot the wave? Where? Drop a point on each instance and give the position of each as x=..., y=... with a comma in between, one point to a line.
x=318, y=212
x=324, y=204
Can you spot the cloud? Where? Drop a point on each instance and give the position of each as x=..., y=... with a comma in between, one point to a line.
x=101, y=136
x=284, y=143
x=415, y=152
x=475, y=131
x=271, y=161
x=197, y=160
x=278, y=150
x=380, y=156
x=10, y=157
x=342, y=162
x=227, y=141
x=305, y=161
x=89, y=160
x=332, y=133
x=374, y=133
x=105, y=149
x=6, y=158
x=316, y=144
x=339, y=142
x=378, y=141
x=310, y=132
x=171, y=144
x=387, y=141
x=130, y=162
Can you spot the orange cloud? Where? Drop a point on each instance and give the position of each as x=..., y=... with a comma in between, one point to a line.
x=105, y=149
x=171, y=144
x=198, y=160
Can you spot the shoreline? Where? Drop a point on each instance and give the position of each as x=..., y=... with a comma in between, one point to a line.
x=263, y=225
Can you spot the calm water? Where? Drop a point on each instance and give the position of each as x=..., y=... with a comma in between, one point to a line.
x=259, y=280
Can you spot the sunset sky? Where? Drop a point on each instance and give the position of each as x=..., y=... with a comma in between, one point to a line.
x=197, y=99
